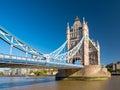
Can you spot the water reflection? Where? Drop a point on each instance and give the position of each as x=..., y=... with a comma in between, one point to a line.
x=49, y=83
x=9, y=82
x=81, y=85
x=113, y=83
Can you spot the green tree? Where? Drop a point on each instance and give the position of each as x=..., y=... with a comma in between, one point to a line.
x=118, y=70
x=40, y=72
x=110, y=69
x=43, y=72
x=1, y=73
x=36, y=73
x=31, y=71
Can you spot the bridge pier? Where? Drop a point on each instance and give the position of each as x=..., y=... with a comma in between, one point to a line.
x=89, y=54
x=89, y=72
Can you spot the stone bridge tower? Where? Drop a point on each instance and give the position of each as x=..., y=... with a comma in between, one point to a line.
x=90, y=51
x=88, y=55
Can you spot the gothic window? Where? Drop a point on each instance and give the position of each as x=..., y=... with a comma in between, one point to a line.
x=81, y=32
x=75, y=35
x=71, y=35
x=80, y=28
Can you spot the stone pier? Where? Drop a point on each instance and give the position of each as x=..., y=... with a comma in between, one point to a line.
x=88, y=54
x=91, y=72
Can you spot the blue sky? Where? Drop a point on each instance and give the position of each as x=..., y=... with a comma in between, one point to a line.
x=42, y=23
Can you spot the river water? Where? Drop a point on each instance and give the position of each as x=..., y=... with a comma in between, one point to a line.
x=49, y=83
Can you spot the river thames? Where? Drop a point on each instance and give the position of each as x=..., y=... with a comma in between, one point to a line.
x=49, y=83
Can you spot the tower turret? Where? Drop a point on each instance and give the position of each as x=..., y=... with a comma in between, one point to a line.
x=83, y=20
x=86, y=42
x=98, y=45
x=68, y=28
x=77, y=23
x=98, y=52
x=68, y=36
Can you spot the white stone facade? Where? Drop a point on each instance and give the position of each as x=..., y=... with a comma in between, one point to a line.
x=89, y=54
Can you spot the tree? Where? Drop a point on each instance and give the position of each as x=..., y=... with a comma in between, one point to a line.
x=1, y=73
x=110, y=69
x=118, y=70
x=31, y=71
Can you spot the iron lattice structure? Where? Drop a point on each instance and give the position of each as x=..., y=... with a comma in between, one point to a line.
x=79, y=48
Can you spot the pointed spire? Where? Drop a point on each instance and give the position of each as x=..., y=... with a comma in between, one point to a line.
x=77, y=23
x=98, y=44
x=85, y=26
x=68, y=27
x=83, y=20
x=77, y=19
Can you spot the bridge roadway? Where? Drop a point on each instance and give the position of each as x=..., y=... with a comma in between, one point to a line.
x=10, y=61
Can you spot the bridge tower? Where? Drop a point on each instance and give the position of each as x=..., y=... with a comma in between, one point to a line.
x=74, y=35
x=89, y=54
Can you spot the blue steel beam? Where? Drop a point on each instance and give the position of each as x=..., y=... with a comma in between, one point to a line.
x=10, y=60
x=41, y=61
x=19, y=44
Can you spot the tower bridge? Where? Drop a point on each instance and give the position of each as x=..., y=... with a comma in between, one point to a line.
x=81, y=58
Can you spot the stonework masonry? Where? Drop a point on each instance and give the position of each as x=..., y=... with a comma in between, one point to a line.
x=88, y=55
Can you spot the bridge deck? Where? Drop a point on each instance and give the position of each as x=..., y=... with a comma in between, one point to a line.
x=22, y=62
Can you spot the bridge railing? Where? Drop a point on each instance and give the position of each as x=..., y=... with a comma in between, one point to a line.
x=12, y=57
x=4, y=58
